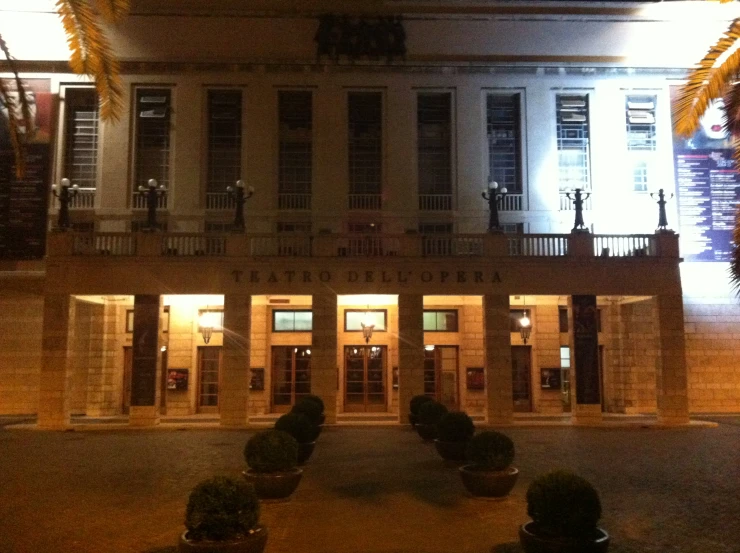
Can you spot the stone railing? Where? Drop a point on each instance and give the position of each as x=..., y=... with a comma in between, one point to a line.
x=152, y=244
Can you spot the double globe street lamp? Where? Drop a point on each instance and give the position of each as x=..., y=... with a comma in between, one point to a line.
x=240, y=194
x=494, y=195
x=152, y=192
x=64, y=193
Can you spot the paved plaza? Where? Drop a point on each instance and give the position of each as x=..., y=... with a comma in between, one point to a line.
x=366, y=490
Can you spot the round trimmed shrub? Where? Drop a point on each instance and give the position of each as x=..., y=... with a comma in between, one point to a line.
x=310, y=409
x=416, y=403
x=455, y=426
x=220, y=509
x=299, y=426
x=271, y=451
x=490, y=450
x=317, y=399
x=563, y=504
x=431, y=412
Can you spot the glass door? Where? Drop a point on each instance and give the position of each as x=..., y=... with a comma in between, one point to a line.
x=291, y=376
x=209, y=364
x=521, y=375
x=364, y=378
x=440, y=375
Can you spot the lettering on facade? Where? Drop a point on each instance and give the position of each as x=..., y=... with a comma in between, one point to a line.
x=366, y=277
x=357, y=37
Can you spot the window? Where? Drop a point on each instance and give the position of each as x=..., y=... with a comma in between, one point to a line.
x=573, y=142
x=211, y=317
x=434, y=135
x=354, y=317
x=224, y=139
x=563, y=319
x=152, y=152
x=641, y=138
x=295, y=149
x=292, y=320
x=81, y=143
x=504, y=141
x=564, y=357
x=440, y=321
x=365, y=147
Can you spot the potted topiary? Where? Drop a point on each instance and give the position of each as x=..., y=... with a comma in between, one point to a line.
x=303, y=430
x=454, y=431
x=414, y=405
x=430, y=413
x=489, y=473
x=272, y=456
x=317, y=399
x=565, y=510
x=222, y=516
x=311, y=409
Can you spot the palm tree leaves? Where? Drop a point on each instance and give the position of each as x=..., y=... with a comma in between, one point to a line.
x=707, y=82
x=91, y=53
x=20, y=124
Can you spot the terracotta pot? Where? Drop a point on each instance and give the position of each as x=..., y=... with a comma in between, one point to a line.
x=451, y=451
x=488, y=483
x=274, y=485
x=532, y=543
x=254, y=543
x=304, y=451
x=428, y=432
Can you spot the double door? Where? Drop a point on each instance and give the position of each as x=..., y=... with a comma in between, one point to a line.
x=365, y=379
x=440, y=375
x=291, y=376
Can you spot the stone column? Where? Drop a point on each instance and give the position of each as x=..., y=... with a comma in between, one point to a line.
x=671, y=376
x=234, y=396
x=585, y=367
x=146, y=361
x=324, y=370
x=56, y=362
x=410, y=351
x=497, y=348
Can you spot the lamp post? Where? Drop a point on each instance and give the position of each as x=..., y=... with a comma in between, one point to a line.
x=240, y=195
x=493, y=195
x=578, y=200
x=662, y=218
x=64, y=195
x=152, y=193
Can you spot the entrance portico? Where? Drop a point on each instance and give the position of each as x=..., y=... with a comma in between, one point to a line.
x=469, y=363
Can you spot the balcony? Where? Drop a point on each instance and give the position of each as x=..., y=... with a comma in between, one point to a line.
x=219, y=201
x=294, y=202
x=365, y=202
x=139, y=202
x=480, y=246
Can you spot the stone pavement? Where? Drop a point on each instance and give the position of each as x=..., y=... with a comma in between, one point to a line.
x=366, y=490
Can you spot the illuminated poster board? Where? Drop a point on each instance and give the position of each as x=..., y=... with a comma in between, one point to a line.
x=23, y=203
x=707, y=189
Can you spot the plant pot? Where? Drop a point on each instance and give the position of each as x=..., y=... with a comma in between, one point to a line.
x=254, y=543
x=413, y=419
x=488, y=483
x=274, y=485
x=532, y=543
x=428, y=432
x=304, y=451
x=451, y=451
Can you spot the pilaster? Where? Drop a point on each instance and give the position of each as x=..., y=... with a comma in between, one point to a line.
x=671, y=376
x=497, y=348
x=324, y=370
x=410, y=350
x=234, y=398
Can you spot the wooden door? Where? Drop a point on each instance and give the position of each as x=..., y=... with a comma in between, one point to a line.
x=291, y=376
x=521, y=375
x=364, y=378
x=209, y=374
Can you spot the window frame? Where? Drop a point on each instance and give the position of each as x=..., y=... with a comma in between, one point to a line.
x=136, y=155
x=376, y=329
x=275, y=311
x=442, y=311
x=216, y=328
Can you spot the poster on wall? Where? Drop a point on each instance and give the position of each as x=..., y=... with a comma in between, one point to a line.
x=707, y=189
x=23, y=202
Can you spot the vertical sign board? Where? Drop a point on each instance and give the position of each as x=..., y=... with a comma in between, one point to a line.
x=145, y=351
x=586, y=342
x=23, y=202
x=707, y=189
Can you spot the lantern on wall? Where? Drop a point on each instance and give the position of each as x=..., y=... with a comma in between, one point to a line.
x=368, y=325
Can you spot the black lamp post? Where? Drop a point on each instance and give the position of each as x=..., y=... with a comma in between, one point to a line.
x=152, y=192
x=493, y=195
x=64, y=195
x=578, y=200
x=662, y=218
x=240, y=195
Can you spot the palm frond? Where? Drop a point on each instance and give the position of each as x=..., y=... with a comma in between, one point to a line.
x=113, y=10
x=707, y=82
x=18, y=137
x=735, y=259
x=91, y=53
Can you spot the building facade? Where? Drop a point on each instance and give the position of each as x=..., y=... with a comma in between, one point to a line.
x=365, y=136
